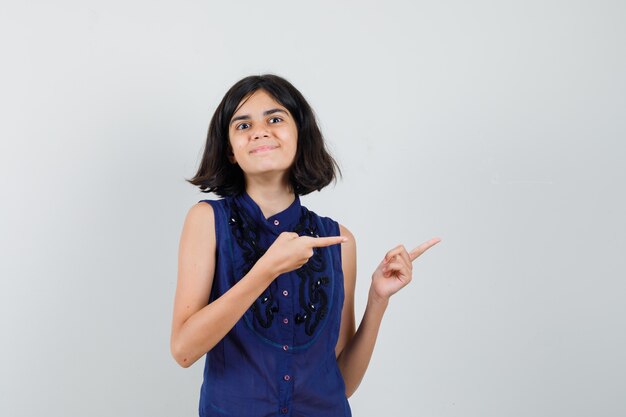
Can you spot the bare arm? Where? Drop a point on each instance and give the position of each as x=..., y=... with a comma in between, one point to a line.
x=354, y=349
x=355, y=358
x=196, y=326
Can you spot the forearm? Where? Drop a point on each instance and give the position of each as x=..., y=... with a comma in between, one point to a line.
x=204, y=329
x=355, y=357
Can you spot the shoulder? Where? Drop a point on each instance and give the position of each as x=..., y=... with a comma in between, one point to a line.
x=202, y=211
x=200, y=220
x=209, y=207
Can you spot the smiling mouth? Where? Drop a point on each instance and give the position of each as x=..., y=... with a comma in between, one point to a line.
x=263, y=149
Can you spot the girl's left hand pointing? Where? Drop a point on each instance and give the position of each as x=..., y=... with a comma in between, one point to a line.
x=395, y=271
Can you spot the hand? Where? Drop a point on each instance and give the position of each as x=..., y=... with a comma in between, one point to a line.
x=290, y=251
x=395, y=271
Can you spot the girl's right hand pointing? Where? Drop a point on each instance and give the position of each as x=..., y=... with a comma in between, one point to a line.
x=290, y=251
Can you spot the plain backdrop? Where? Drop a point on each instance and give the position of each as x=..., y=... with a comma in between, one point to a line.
x=498, y=126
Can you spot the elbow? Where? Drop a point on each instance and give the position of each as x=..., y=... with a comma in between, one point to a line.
x=184, y=363
x=350, y=391
x=180, y=356
x=183, y=355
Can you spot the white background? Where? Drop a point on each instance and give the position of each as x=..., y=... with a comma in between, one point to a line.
x=495, y=125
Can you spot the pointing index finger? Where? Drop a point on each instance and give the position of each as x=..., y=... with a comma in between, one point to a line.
x=423, y=248
x=318, y=242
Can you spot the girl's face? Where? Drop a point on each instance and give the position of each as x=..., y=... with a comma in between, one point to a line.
x=263, y=135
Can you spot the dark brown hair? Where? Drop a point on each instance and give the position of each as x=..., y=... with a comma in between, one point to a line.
x=313, y=167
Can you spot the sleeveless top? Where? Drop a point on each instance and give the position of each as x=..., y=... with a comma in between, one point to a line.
x=279, y=358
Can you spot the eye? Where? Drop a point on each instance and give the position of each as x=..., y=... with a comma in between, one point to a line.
x=280, y=119
x=241, y=126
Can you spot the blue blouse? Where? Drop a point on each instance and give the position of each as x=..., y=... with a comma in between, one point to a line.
x=279, y=359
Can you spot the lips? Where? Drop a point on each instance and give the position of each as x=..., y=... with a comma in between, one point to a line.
x=263, y=148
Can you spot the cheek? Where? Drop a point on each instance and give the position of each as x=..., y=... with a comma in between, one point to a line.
x=235, y=143
x=294, y=138
x=235, y=151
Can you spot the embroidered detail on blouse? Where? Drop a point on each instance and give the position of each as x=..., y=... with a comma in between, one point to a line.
x=312, y=295
x=313, y=298
x=246, y=233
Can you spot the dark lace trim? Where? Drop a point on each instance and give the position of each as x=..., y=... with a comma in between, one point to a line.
x=246, y=233
x=312, y=297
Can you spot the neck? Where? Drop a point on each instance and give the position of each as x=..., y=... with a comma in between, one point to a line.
x=271, y=197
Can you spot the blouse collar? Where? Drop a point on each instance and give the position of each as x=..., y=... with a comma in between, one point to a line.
x=284, y=221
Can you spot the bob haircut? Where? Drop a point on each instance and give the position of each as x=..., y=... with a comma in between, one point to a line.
x=313, y=167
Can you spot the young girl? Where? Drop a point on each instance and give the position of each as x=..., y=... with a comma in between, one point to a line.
x=266, y=286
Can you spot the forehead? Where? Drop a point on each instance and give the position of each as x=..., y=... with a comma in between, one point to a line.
x=258, y=101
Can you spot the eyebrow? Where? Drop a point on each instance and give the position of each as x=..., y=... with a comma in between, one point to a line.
x=247, y=116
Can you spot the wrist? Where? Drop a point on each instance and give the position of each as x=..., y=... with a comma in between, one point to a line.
x=265, y=271
x=377, y=300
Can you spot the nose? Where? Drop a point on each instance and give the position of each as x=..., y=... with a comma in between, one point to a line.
x=260, y=132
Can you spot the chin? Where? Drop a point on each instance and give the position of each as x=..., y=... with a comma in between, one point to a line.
x=266, y=169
